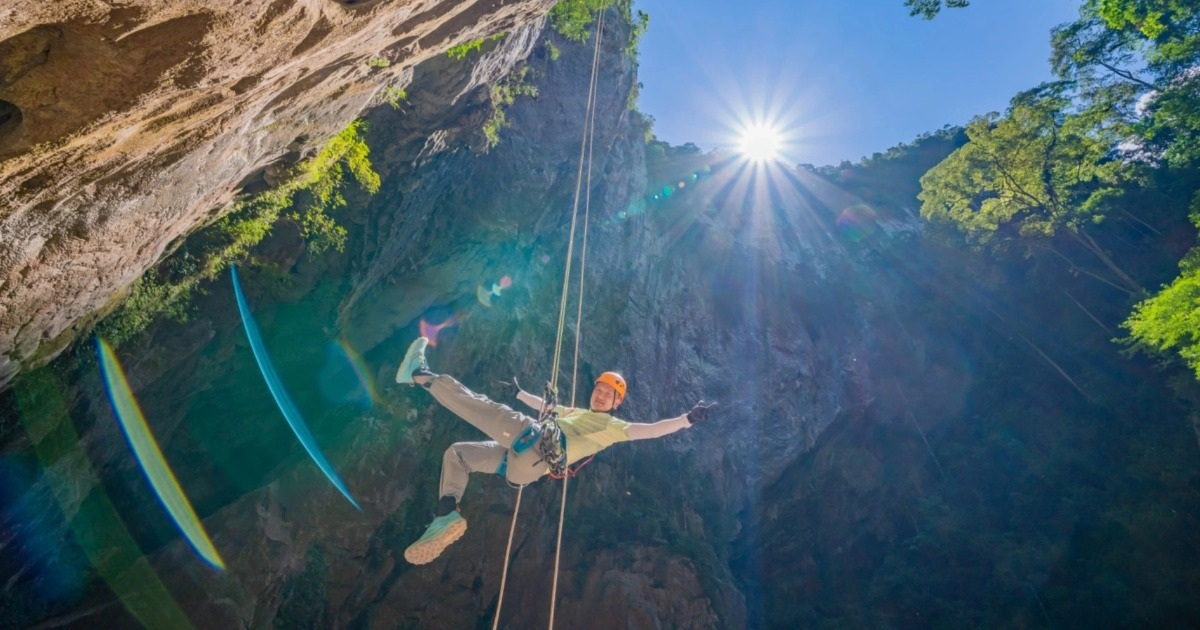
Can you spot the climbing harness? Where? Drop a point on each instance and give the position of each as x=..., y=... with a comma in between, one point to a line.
x=551, y=443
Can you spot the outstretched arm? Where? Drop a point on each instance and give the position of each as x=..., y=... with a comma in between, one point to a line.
x=513, y=388
x=636, y=431
x=647, y=431
x=529, y=399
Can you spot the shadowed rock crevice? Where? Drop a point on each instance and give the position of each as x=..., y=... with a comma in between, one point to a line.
x=10, y=124
x=358, y=6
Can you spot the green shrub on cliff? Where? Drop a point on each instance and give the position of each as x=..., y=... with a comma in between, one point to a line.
x=392, y=95
x=462, y=50
x=504, y=94
x=166, y=289
x=571, y=18
x=323, y=178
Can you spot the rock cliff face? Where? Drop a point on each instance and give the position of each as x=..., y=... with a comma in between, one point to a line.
x=446, y=223
x=124, y=126
x=857, y=418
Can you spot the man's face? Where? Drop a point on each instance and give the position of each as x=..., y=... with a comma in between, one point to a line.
x=604, y=398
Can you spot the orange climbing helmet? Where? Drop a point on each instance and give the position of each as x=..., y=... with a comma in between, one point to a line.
x=615, y=381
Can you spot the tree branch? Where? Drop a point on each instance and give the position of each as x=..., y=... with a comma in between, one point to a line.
x=1127, y=75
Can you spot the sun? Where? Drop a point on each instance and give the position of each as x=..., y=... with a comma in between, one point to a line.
x=760, y=143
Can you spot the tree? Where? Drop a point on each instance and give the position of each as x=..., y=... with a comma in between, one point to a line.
x=1169, y=30
x=928, y=9
x=1139, y=61
x=1034, y=173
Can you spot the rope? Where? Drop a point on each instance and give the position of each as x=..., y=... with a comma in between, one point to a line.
x=590, y=137
x=587, y=206
x=548, y=401
x=562, y=510
x=507, y=555
x=589, y=113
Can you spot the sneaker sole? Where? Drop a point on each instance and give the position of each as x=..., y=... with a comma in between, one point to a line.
x=428, y=551
x=412, y=359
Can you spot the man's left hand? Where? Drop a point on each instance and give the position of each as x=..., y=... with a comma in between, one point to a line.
x=700, y=412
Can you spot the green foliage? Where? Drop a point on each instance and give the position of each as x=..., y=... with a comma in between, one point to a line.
x=552, y=50
x=1169, y=322
x=1170, y=129
x=648, y=129
x=1029, y=175
x=1134, y=60
x=392, y=95
x=1094, y=56
x=892, y=177
x=1171, y=27
x=1135, y=14
x=462, y=50
x=929, y=9
x=1010, y=173
x=1132, y=64
x=148, y=300
x=166, y=290
x=640, y=22
x=323, y=178
x=504, y=94
x=571, y=18
x=634, y=92
x=378, y=62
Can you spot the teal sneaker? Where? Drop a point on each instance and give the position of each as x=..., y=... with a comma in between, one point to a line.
x=414, y=362
x=442, y=533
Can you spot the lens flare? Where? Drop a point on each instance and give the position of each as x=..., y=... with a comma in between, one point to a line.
x=344, y=378
x=486, y=291
x=282, y=399
x=55, y=570
x=857, y=222
x=483, y=295
x=95, y=523
x=430, y=331
x=150, y=457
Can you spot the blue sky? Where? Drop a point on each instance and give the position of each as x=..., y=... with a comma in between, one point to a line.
x=841, y=78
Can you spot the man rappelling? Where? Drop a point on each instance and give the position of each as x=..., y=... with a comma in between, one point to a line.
x=517, y=448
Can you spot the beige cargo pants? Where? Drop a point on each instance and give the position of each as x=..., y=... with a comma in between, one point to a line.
x=519, y=463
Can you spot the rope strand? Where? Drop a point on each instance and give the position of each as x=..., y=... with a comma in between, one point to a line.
x=585, y=148
x=589, y=133
x=587, y=206
x=562, y=309
x=507, y=555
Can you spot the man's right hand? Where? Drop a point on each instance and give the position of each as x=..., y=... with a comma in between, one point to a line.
x=510, y=389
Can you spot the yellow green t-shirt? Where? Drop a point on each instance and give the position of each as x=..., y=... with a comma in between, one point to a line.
x=589, y=432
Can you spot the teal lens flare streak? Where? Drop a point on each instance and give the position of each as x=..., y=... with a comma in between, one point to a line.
x=150, y=457
x=275, y=384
